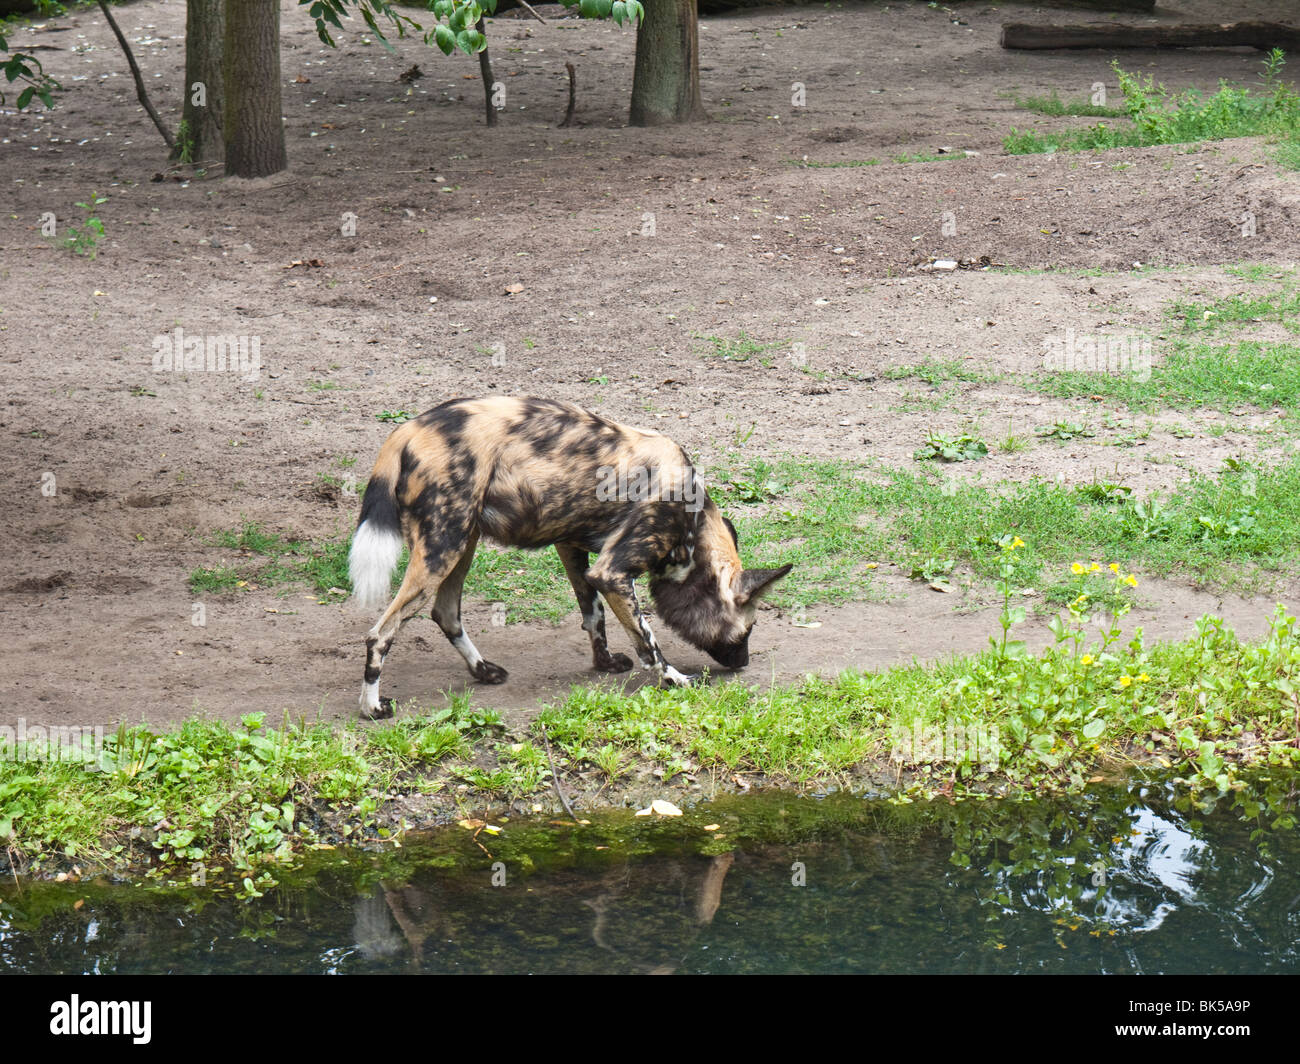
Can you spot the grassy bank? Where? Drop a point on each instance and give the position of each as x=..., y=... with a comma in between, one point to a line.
x=232, y=803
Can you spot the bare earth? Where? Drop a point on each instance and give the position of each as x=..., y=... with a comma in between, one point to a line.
x=94, y=601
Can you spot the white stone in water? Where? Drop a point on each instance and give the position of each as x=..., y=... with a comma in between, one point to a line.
x=660, y=808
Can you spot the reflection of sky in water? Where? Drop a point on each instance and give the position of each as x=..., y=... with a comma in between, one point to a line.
x=1162, y=856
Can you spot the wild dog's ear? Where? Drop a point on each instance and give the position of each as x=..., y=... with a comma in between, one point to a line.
x=732, y=529
x=753, y=583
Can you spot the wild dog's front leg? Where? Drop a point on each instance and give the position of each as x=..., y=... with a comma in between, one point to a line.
x=619, y=592
x=593, y=613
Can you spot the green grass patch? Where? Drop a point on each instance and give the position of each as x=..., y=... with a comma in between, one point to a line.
x=741, y=348
x=1197, y=371
x=269, y=559
x=936, y=371
x=1193, y=375
x=531, y=584
x=1053, y=105
x=1288, y=153
x=832, y=519
x=1281, y=305
x=1158, y=116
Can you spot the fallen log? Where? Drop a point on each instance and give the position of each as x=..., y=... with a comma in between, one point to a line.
x=717, y=7
x=1261, y=35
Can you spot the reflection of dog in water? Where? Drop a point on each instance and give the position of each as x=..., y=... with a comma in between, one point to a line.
x=619, y=912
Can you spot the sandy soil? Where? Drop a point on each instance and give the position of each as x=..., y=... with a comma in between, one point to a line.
x=409, y=311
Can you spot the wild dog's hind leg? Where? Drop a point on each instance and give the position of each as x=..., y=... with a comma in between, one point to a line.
x=618, y=565
x=416, y=588
x=446, y=612
x=593, y=610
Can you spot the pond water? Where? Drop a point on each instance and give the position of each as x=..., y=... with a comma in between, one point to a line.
x=1121, y=878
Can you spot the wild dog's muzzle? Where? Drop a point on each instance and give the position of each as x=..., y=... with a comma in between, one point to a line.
x=731, y=655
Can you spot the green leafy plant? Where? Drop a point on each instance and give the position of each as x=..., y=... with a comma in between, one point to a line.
x=964, y=448
x=932, y=570
x=82, y=239
x=1064, y=430
x=758, y=483
x=184, y=142
x=27, y=70
x=1148, y=519
x=455, y=20
x=1105, y=492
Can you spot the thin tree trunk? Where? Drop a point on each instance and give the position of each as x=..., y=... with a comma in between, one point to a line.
x=485, y=72
x=204, y=81
x=253, y=131
x=666, y=78
x=573, y=95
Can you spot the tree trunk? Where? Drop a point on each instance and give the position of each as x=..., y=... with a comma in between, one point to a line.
x=204, y=82
x=666, y=79
x=254, y=134
x=1261, y=35
x=489, y=79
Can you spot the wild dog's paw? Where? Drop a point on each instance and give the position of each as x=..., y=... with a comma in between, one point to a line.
x=613, y=663
x=670, y=677
x=486, y=672
x=381, y=712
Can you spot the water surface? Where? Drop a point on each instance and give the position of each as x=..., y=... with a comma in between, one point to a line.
x=1119, y=879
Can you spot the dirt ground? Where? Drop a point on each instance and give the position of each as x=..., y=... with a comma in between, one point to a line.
x=413, y=309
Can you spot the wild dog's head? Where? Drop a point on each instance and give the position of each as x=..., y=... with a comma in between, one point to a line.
x=707, y=598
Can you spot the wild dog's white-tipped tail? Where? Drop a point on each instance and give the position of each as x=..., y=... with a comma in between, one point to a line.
x=371, y=562
x=377, y=542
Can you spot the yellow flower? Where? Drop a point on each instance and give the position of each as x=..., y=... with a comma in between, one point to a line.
x=1124, y=681
x=1094, y=568
x=1144, y=677
x=1114, y=568
x=1076, y=569
x=1131, y=580
x=1017, y=542
x=1086, y=659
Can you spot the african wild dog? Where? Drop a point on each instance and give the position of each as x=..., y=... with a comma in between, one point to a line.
x=531, y=473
